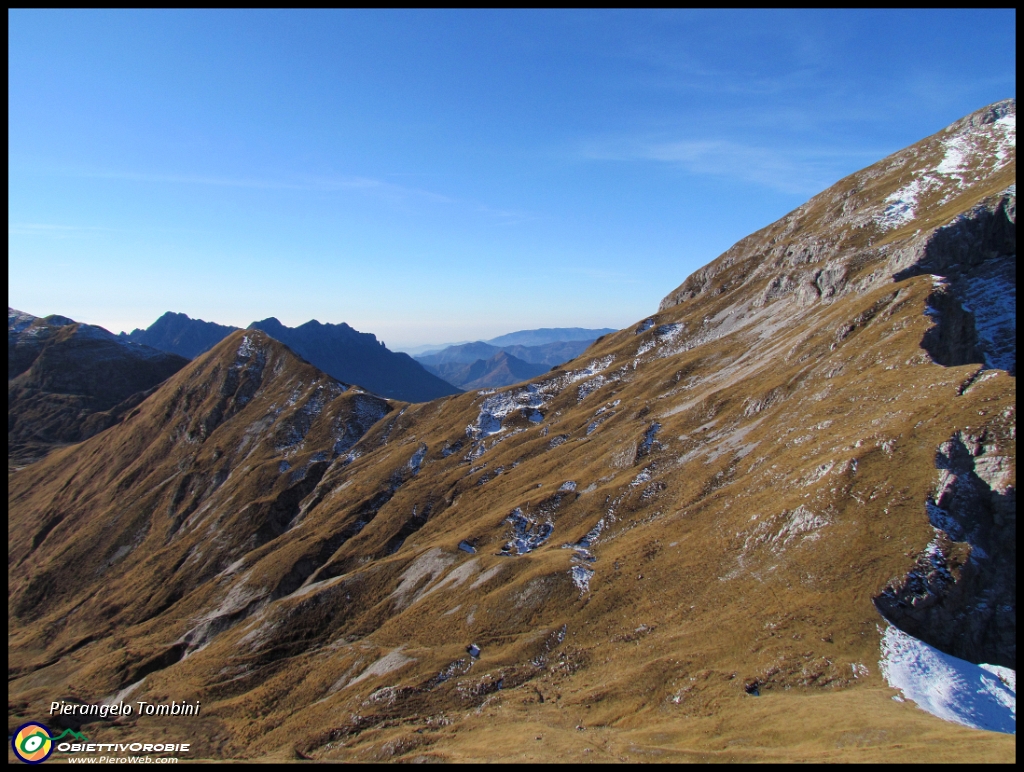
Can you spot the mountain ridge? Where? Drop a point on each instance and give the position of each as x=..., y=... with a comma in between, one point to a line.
x=342, y=351
x=539, y=336
x=179, y=334
x=545, y=335
x=481, y=365
x=554, y=353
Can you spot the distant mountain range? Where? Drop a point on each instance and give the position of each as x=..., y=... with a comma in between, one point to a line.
x=502, y=369
x=340, y=351
x=68, y=381
x=537, y=337
x=358, y=357
x=510, y=358
x=548, y=335
x=548, y=354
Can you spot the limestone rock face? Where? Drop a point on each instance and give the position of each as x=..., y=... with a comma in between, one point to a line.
x=961, y=596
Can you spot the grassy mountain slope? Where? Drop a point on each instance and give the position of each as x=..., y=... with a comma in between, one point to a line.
x=713, y=502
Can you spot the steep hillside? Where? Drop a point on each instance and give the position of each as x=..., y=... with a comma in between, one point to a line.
x=358, y=357
x=502, y=369
x=683, y=546
x=67, y=381
x=181, y=335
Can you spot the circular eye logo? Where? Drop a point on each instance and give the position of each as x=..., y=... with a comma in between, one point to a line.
x=32, y=743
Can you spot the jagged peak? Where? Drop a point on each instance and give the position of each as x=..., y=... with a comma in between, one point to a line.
x=270, y=321
x=181, y=318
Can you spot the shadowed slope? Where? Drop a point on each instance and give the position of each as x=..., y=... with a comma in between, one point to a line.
x=69, y=381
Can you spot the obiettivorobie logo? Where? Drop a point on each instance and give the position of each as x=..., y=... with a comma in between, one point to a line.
x=33, y=743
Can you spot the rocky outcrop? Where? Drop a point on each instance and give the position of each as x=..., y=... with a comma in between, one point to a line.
x=961, y=595
x=822, y=245
x=974, y=262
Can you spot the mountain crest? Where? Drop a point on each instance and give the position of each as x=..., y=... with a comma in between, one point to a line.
x=817, y=249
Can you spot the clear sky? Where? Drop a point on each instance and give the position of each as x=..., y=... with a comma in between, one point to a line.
x=433, y=176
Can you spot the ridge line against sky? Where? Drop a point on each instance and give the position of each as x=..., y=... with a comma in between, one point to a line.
x=431, y=176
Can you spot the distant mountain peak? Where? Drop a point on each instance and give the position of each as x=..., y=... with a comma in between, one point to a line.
x=18, y=320
x=178, y=333
x=358, y=357
x=270, y=321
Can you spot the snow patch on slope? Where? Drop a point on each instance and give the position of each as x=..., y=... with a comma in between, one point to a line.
x=978, y=696
x=529, y=399
x=527, y=534
x=900, y=207
x=417, y=459
x=581, y=578
x=993, y=301
x=969, y=155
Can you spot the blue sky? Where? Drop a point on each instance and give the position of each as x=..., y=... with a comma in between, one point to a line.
x=437, y=176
